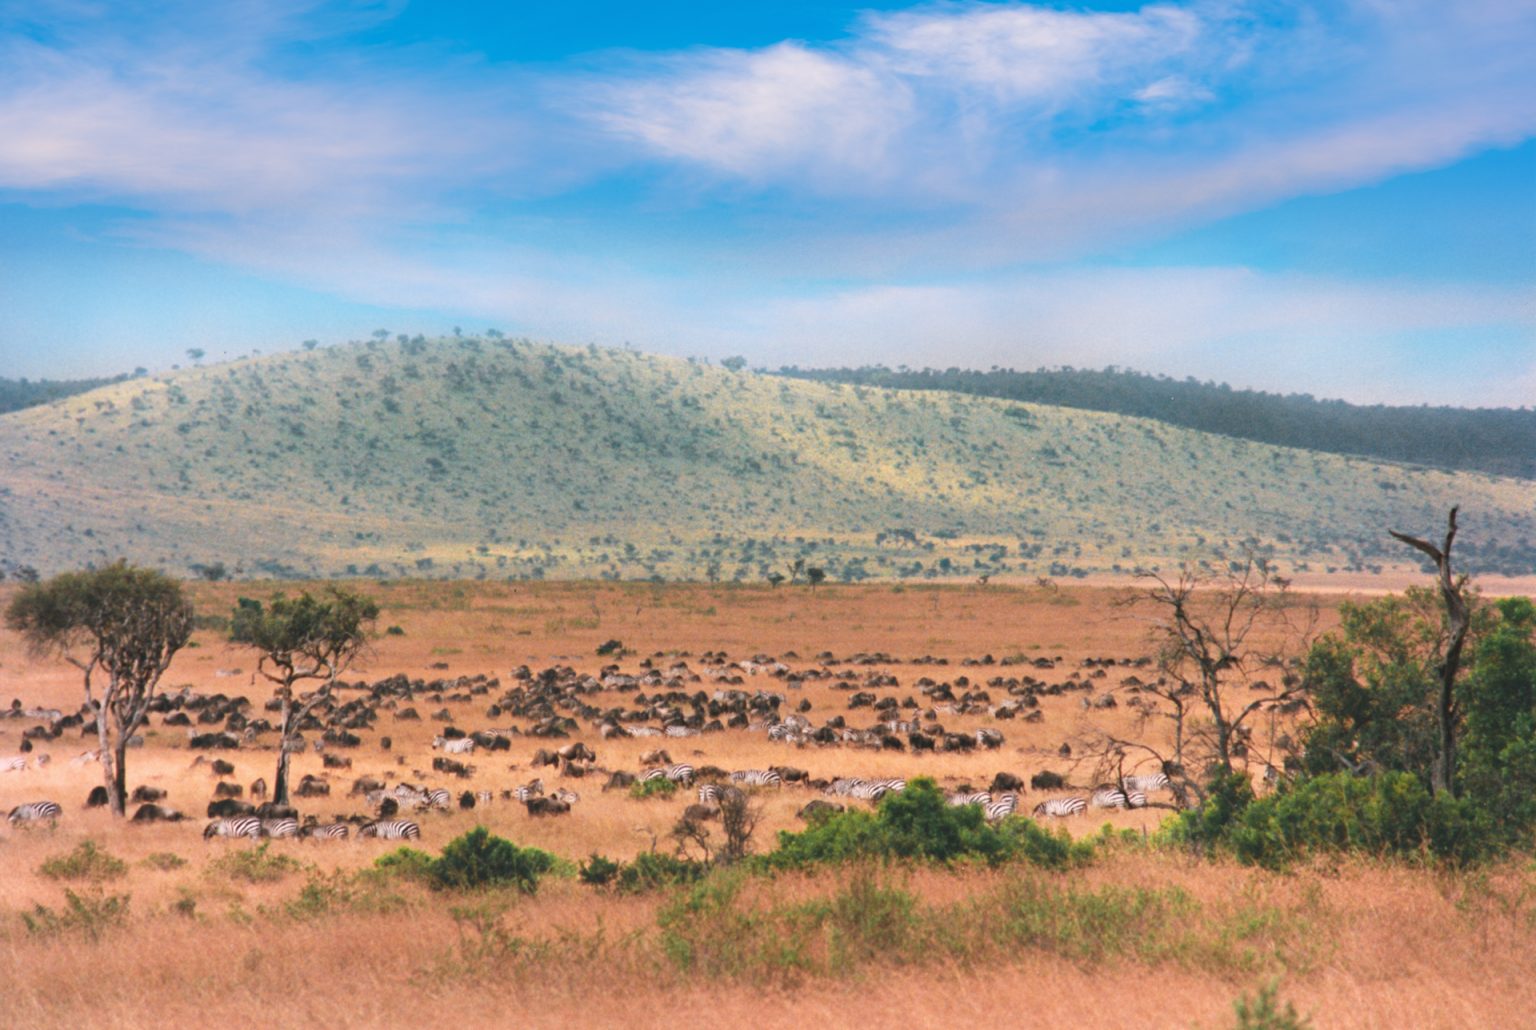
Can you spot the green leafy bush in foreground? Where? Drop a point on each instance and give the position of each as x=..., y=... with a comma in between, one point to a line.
x=475, y=860
x=919, y=823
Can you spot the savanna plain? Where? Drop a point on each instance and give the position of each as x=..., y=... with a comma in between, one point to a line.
x=107, y=923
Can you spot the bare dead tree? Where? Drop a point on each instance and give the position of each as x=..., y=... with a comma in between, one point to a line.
x=1459, y=621
x=1215, y=633
x=738, y=820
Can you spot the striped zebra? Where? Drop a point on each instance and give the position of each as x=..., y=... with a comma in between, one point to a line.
x=714, y=793
x=34, y=812
x=1155, y=781
x=868, y=790
x=391, y=829
x=16, y=764
x=676, y=730
x=1062, y=807
x=531, y=789
x=566, y=795
x=1135, y=799
x=980, y=797
x=438, y=798
x=1108, y=797
x=757, y=778
x=328, y=832
x=235, y=826
x=484, y=797
x=681, y=772
x=280, y=829
x=458, y=746
x=1001, y=808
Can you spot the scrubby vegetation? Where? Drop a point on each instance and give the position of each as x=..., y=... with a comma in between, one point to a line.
x=1497, y=440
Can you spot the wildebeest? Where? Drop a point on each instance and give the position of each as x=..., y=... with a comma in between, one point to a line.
x=818, y=809
x=153, y=813
x=1047, y=780
x=226, y=807
x=227, y=790
x=547, y=806
x=223, y=768
x=619, y=780
x=259, y=789
x=273, y=810
x=312, y=787
x=1006, y=781
x=146, y=793
x=98, y=797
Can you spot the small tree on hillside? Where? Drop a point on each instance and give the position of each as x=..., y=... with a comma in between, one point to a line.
x=302, y=638
x=125, y=622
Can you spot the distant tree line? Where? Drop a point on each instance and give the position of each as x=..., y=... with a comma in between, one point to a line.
x=16, y=394
x=1497, y=440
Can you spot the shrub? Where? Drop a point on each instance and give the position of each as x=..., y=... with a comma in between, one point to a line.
x=920, y=823
x=599, y=871
x=406, y=863
x=1265, y=1013
x=90, y=914
x=661, y=787
x=478, y=859
x=86, y=862
x=258, y=865
x=651, y=871
x=165, y=861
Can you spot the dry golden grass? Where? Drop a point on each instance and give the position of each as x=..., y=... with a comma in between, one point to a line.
x=1392, y=947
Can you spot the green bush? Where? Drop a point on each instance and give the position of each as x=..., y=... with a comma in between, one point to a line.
x=651, y=871
x=257, y=865
x=599, y=871
x=86, y=862
x=90, y=914
x=1265, y=1012
x=919, y=823
x=406, y=863
x=165, y=861
x=478, y=859
x=661, y=787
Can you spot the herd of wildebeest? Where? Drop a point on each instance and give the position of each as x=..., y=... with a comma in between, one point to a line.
x=666, y=698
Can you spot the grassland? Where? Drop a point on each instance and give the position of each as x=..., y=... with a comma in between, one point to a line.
x=488, y=458
x=298, y=934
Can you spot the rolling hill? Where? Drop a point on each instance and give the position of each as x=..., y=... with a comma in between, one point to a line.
x=490, y=457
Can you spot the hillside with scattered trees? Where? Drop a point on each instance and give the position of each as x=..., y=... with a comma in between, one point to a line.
x=1497, y=440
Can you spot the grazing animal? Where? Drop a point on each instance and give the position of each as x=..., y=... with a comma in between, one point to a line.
x=1001, y=807
x=547, y=806
x=532, y=789
x=280, y=829
x=144, y=793
x=656, y=757
x=1047, y=780
x=758, y=778
x=1005, y=781
x=97, y=797
x=227, y=790
x=391, y=829
x=818, y=809
x=462, y=746
x=438, y=798
x=1148, y=783
x=1061, y=808
x=223, y=768
x=259, y=789
x=225, y=807
x=239, y=826
x=980, y=797
x=16, y=764
x=34, y=812
x=330, y=831
x=1108, y=797
x=153, y=813
x=680, y=772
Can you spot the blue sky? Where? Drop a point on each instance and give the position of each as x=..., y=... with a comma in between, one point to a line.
x=1336, y=198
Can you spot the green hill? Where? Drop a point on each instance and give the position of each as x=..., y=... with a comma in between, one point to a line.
x=508, y=459
x=1497, y=440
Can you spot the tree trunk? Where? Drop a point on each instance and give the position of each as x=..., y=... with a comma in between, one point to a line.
x=119, y=787
x=280, y=781
x=1459, y=621
x=108, y=760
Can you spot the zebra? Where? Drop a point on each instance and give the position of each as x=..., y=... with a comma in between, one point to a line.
x=980, y=797
x=1155, y=781
x=438, y=797
x=1061, y=807
x=235, y=826
x=16, y=764
x=35, y=811
x=1108, y=797
x=676, y=730
x=570, y=797
x=531, y=789
x=757, y=778
x=280, y=829
x=484, y=797
x=869, y=790
x=1135, y=799
x=1004, y=806
x=330, y=831
x=391, y=829
x=714, y=793
x=460, y=746
x=681, y=772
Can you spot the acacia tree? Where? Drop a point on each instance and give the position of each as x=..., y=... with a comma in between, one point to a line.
x=302, y=638
x=121, y=621
x=1458, y=621
x=1217, y=634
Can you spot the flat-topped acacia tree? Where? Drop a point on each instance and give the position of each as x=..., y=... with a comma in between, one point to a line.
x=122, y=621
x=302, y=638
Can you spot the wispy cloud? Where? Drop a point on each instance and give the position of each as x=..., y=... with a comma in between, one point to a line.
x=918, y=162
